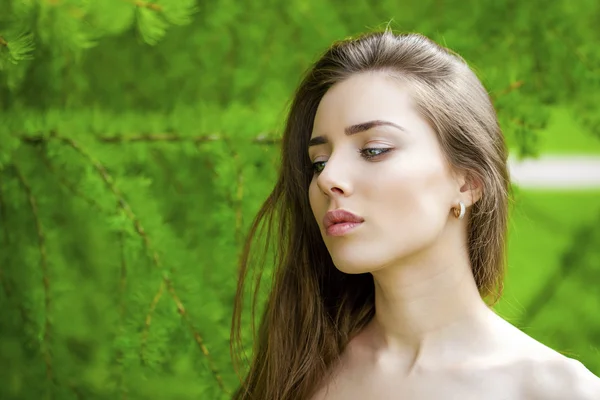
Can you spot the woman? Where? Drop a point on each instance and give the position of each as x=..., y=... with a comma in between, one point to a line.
x=391, y=210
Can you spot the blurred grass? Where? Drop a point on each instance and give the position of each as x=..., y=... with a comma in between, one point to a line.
x=541, y=229
x=565, y=135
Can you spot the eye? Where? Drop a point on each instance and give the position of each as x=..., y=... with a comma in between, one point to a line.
x=371, y=152
x=367, y=153
x=318, y=166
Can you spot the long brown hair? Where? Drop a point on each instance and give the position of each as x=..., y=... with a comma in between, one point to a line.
x=313, y=310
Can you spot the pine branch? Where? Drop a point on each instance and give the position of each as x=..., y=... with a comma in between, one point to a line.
x=122, y=203
x=266, y=138
x=71, y=187
x=20, y=46
x=167, y=171
x=46, y=279
x=262, y=138
x=7, y=285
x=181, y=310
x=148, y=320
x=148, y=5
x=123, y=309
x=239, y=194
x=3, y=214
x=210, y=166
x=197, y=337
x=510, y=88
x=157, y=137
x=118, y=356
x=76, y=391
x=176, y=12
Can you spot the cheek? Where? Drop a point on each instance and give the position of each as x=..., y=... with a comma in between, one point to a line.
x=412, y=209
x=404, y=206
x=314, y=198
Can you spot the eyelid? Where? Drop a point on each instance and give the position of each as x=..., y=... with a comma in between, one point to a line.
x=372, y=137
x=361, y=151
x=368, y=145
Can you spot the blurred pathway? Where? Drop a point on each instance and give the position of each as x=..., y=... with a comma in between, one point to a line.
x=557, y=172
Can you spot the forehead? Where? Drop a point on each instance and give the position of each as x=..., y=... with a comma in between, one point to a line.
x=364, y=97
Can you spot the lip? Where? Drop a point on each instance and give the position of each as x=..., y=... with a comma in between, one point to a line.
x=339, y=222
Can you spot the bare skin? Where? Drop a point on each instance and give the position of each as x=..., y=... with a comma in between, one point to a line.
x=432, y=336
x=506, y=365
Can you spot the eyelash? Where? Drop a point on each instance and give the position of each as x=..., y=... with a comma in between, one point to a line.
x=361, y=152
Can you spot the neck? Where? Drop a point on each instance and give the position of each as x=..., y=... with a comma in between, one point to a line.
x=428, y=309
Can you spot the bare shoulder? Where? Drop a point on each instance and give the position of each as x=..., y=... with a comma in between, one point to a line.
x=561, y=377
x=546, y=374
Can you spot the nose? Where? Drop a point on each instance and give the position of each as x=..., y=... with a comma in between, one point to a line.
x=334, y=179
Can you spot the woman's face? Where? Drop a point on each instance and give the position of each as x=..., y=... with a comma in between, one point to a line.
x=392, y=175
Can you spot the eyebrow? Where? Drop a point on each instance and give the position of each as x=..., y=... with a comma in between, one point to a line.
x=354, y=129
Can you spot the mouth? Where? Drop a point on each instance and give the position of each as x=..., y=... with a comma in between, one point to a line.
x=339, y=222
x=342, y=228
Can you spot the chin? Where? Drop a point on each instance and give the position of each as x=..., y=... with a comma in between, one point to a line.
x=352, y=258
x=359, y=262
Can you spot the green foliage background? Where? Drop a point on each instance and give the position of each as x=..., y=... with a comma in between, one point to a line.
x=138, y=139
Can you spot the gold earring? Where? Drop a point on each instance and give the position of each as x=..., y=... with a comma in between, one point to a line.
x=459, y=212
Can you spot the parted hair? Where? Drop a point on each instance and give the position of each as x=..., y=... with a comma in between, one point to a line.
x=313, y=310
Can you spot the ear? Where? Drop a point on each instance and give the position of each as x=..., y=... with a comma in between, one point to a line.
x=470, y=187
